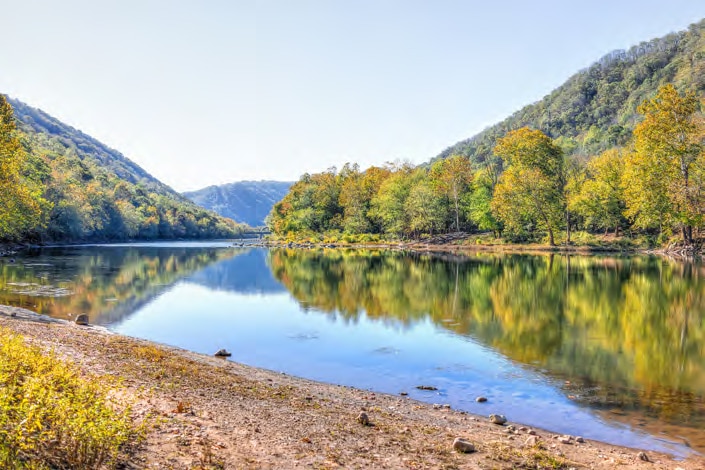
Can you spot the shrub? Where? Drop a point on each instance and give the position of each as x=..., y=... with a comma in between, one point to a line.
x=51, y=416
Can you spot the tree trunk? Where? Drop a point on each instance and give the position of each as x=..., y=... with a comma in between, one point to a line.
x=551, y=240
x=687, y=233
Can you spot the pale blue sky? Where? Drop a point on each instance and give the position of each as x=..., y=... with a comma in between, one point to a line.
x=209, y=92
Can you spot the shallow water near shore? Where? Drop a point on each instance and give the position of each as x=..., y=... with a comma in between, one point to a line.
x=603, y=347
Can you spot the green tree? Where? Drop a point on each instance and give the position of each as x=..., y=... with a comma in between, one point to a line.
x=599, y=198
x=531, y=190
x=20, y=199
x=424, y=207
x=452, y=177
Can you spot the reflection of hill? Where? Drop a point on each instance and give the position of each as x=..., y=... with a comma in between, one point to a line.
x=246, y=273
x=107, y=283
x=631, y=331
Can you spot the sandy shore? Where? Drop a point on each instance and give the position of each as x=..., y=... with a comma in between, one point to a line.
x=209, y=413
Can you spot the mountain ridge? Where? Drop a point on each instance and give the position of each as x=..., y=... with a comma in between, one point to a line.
x=247, y=201
x=91, y=192
x=595, y=108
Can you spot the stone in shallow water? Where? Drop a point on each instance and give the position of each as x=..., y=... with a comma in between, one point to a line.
x=463, y=445
x=480, y=399
x=426, y=387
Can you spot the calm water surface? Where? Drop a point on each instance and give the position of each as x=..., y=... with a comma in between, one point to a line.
x=607, y=348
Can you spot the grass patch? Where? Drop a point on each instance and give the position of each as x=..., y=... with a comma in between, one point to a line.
x=51, y=416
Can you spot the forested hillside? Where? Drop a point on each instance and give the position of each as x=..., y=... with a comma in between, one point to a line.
x=596, y=108
x=619, y=147
x=60, y=184
x=248, y=202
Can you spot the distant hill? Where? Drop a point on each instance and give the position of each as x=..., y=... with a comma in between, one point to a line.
x=595, y=109
x=94, y=193
x=246, y=202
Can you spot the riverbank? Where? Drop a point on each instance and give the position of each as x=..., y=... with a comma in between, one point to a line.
x=209, y=413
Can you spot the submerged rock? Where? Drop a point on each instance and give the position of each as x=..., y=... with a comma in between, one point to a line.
x=463, y=445
x=82, y=319
x=426, y=387
x=480, y=399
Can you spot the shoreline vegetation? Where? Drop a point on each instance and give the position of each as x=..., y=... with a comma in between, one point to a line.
x=648, y=192
x=200, y=412
x=461, y=243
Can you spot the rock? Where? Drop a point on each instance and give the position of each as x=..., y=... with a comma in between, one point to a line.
x=82, y=319
x=531, y=431
x=531, y=441
x=565, y=440
x=511, y=428
x=523, y=429
x=436, y=406
x=403, y=394
x=426, y=387
x=223, y=353
x=579, y=439
x=480, y=399
x=363, y=419
x=463, y=445
x=446, y=406
x=643, y=456
x=498, y=419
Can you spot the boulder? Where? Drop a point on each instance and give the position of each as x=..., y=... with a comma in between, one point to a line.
x=463, y=445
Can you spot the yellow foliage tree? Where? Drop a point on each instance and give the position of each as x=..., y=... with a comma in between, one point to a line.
x=20, y=209
x=664, y=176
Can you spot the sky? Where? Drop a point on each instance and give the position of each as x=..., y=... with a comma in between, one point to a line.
x=210, y=92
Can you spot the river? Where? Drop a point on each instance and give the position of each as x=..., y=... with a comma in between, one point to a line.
x=609, y=348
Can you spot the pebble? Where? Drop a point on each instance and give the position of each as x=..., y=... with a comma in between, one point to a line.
x=446, y=406
x=463, y=445
x=223, y=353
x=480, y=399
x=531, y=431
x=436, y=406
x=531, y=441
x=498, y=419
x=363, y=419
x=643, y=456
x=82, y=319
x=579, y=439
x=565, y=440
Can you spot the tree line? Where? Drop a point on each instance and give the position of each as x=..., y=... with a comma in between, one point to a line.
x=530, y=188
x=52, y=190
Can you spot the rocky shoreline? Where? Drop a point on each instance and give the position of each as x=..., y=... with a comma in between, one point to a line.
x=208, y=412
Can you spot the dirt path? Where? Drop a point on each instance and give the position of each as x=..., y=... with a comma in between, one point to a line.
x=209, y=413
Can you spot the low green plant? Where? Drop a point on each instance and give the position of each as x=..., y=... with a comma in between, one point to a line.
x=53, y=417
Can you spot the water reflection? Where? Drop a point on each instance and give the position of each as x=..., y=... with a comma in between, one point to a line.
x=614, y=333
x=553, y=341
x=107, y=283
